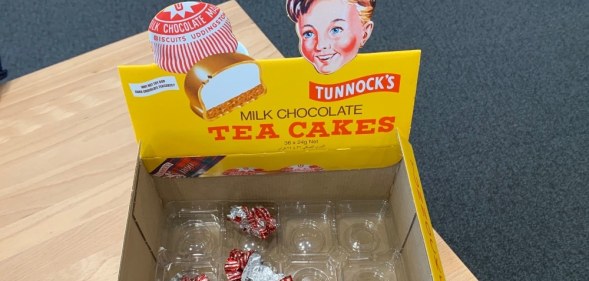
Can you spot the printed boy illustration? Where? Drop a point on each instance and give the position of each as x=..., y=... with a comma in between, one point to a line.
x=331, y=31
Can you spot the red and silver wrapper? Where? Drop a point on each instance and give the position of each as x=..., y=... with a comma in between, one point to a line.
x=186, y=32
x=248, y=266
x=187, y=167
x=255, y=270
x=247, y=171
x=200, y=277
x=302, y=169
x=235, y=264
x=256, y=221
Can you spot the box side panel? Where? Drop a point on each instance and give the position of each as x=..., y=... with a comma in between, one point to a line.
x=422, y=219
x=272, y=163
x=402, y=203
x=148, y=209
x=335, y=185
x=414, y=255
x=137, y=262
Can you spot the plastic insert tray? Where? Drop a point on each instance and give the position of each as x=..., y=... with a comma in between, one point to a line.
x=314, y=241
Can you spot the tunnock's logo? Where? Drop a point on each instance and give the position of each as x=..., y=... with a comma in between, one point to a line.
x=382, y=82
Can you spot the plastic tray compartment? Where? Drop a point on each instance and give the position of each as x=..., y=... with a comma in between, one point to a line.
x=178, y=269
x=369, y=272
x=320, y=269
x=365, y=230
x=366, y=235
x=307, y=230
x=236, y=238
x=191, y=240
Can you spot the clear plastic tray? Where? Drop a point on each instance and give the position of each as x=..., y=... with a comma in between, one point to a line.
x=323, y=241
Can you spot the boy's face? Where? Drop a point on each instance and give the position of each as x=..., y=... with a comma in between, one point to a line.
x=330, y=34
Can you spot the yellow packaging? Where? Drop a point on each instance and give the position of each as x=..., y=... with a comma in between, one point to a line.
x=230, y=114
x=296, y=119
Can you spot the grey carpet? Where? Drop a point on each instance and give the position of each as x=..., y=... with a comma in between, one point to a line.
x=500, y=128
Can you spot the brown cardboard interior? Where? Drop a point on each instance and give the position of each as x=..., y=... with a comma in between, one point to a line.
x=151, y=194
x=406, y=222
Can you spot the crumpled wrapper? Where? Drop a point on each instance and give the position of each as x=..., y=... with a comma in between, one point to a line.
x=248, y=266
x=256, y=221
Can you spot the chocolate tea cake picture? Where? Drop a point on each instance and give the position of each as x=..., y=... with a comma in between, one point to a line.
x=218, y=84
x=196, y=39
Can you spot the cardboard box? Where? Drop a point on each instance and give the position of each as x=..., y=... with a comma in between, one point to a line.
x=203, y=141
x=399, y=184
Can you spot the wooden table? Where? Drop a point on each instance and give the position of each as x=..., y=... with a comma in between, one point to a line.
x=67, y=158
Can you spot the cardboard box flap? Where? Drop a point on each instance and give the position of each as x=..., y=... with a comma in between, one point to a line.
x=268, y=163
x=236, y=105
x=422, y=213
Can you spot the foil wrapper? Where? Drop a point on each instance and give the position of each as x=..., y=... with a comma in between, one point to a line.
x=256, y=271
x=200, y=277
x=235, y=264
x=256, y=221
x=248, y=266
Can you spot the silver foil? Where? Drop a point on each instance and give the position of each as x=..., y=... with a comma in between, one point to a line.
x=256, y=271
x=238, y=212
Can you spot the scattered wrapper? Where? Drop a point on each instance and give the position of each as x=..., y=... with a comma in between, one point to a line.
x=200, y=277
x=256, y=221
x=248, y=266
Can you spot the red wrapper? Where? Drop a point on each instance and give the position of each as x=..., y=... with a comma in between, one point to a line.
x=249, y=266
x=187, y=167
x=248, y=171
x=235, y=264
x=256, y=221
x=302, y=169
